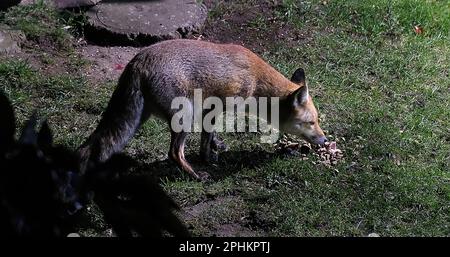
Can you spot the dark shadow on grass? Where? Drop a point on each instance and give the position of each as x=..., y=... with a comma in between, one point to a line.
x=229, y=163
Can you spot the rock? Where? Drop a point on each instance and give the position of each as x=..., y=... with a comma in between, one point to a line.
x=10, y=40
x=4, y=4
x=63, y=4
x=144, y=22
x=373, y=235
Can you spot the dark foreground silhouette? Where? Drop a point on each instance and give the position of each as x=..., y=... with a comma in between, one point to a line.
x=42, y=191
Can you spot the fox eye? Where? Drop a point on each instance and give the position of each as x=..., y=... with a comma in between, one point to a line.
x=311, y=123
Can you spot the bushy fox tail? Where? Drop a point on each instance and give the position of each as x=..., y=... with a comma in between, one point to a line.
x=119, y=122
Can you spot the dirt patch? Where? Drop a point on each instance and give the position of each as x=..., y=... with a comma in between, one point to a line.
x=45, y=61
x=227, y=230
x=204, y=218
x=106, y=63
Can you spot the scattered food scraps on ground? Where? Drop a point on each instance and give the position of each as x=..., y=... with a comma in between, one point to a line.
x=328, y=154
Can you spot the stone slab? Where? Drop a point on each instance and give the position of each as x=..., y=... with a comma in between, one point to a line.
x=158, y=20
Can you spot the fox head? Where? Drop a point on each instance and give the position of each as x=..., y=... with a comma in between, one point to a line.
x=298, y=115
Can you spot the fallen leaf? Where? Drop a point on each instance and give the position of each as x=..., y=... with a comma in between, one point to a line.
x=418, y=29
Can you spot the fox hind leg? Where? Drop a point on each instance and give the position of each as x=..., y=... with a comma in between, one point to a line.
x=176, y=153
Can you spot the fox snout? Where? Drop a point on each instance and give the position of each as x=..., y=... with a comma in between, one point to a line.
x=320, y=140
x=318, y=137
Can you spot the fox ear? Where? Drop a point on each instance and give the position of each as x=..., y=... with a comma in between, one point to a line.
x=299, y=77
x=301, y=96
x=7, y=124
x=28, y=135
x=45, y=137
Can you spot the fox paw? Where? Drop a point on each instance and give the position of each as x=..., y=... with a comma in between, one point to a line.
x=219, y=145
x=203, y=176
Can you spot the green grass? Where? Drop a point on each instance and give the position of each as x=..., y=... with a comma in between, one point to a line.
x=376, y=79
x=383, y=94
x=66, y=100
x=40, y=23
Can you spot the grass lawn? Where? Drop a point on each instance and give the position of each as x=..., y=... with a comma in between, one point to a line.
x=382, y=89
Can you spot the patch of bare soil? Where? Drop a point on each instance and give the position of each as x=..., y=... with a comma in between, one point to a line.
x=227, y=230
x=106, y=63
x=234, y=222
x=49, y=62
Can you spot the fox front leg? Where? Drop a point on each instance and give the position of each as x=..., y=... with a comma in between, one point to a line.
x=210, y=146
x=217, y=144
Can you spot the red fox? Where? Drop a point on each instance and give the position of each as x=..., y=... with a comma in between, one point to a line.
x=174, y=68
